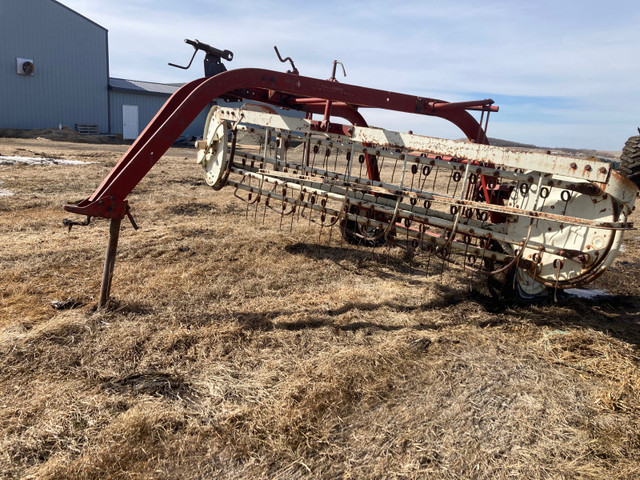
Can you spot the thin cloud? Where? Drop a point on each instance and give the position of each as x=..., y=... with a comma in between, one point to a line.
x=584, y=51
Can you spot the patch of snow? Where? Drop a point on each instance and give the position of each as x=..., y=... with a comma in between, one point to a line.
x=587, y=293
x=10, y=160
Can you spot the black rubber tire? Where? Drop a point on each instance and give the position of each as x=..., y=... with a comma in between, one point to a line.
x=630, y=159
x=357, y=234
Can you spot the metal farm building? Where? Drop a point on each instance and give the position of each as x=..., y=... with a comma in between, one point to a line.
x=54, y=70
x=55, y=67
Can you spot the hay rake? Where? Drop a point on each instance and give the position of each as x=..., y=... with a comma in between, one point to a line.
x=533, y=220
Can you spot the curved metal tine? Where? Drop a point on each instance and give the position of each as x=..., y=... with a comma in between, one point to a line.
x=295, y=208
x=560, y=263
x=467, y=240
x=544, y=194
x=283, y=150
x=308, y=205
x=325, y=158
x=426, y=249
x=393, y=171
x=454, y=230
x=361, y=162
x=350, y=159
x=484, y=242
x=414, y=170
x=284, y=200
x=435, y=175
x=301, y=202
x=323, y=223
x=266, y=204
x=425, y=171
x=452, y=176
x=284, y=206
x=566, y=202
x=471, y=261
x=247, y=200
x=255, y=209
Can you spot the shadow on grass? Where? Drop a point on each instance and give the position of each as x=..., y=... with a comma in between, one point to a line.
x=617, y=316
x=386, y=263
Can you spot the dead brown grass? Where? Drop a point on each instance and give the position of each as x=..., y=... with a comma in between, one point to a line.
x=235, y=349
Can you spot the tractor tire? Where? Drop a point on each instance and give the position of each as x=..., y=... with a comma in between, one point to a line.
x=630, y=159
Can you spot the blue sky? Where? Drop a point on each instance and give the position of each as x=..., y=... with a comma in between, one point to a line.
x=564, y=73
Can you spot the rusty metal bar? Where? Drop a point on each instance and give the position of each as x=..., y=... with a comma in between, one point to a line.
x=109, y=263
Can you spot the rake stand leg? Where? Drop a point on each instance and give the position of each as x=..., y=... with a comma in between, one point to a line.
x=109, y=263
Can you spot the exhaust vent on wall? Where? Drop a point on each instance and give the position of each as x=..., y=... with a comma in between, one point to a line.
x=24, y=66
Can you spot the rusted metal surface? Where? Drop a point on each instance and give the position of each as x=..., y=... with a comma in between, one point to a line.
x=591, y=169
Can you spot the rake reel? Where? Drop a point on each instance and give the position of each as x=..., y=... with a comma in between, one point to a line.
x=534, y=220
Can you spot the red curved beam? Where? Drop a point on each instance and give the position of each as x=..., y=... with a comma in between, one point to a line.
x=109, y=199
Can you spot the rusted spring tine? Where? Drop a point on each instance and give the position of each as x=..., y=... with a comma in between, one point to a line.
x=237, y=184
x=341, y=213
x=426, y=171
x=285, y=200
x=336, y=219
x=565, y=196
x=337, y=215
x=304, y=206
x=259, y=194
x=466, y=239
x=557, y=264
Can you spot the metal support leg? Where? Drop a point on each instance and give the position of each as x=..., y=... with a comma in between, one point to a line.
x=114, y=233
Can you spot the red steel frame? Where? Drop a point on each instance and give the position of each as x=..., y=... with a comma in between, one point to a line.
x=311, y=95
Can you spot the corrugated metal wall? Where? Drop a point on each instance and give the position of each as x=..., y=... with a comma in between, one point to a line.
x=148, y=106
x=69, y=52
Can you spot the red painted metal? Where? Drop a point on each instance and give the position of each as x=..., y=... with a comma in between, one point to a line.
x=283, y=89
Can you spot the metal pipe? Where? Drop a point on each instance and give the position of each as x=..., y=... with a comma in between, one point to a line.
x=110, y=260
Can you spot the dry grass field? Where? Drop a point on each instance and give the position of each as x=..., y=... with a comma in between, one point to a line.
x=235, y=348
